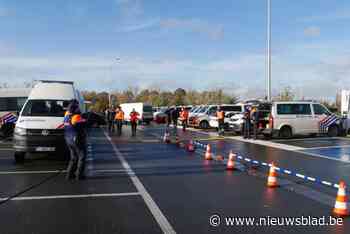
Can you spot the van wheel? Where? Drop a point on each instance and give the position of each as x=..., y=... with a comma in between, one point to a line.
x=285, y=132
x=333, y=131
x=204, y=125
x=19, y=157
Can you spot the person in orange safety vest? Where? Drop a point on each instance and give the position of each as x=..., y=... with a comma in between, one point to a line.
x=184, y=118
x=119, y=119
x=220, y=114
x=134, y=117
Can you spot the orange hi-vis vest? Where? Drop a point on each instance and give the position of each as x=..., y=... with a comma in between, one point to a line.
x=184, y=114
x=220, y=115
x=119, y=115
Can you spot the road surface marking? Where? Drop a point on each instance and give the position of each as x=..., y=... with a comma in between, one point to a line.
x=6, y=149
x=329, y=147
x=54, y=171
x=70, y=196
x=155, y=210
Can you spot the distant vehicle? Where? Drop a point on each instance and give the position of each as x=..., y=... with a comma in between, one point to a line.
x=159, y=115
x=40, y=124
x=11, y=103
x=145, y=111
x=94, y=119
x=230, y=110
x=287, y=119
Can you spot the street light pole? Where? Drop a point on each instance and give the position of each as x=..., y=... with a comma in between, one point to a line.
x=268, y=54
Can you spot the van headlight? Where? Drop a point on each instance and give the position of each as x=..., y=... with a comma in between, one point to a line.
x=20, y=131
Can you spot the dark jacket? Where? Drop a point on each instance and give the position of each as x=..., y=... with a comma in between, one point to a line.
x=175, y=114
x=110, y=115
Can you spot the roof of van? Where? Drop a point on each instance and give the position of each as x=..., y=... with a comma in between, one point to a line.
x=53, y=91
x=14, y=92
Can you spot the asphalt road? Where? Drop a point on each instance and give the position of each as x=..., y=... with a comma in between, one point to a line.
x=141, y=185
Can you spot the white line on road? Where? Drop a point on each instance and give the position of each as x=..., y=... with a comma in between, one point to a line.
x=55, y=171
x=152, y=206
x=330, y=147
x=70, y=196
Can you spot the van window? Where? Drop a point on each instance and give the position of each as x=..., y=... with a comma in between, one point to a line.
x=52, y=108
x=293, y=109
x=320, y=110
x=232, y=108
x=147, y=108
x=212, y=110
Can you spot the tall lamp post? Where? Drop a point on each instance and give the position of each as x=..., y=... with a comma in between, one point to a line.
x=109, y=93
x=268, y=52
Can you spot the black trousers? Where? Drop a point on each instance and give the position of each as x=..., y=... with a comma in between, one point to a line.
x=184, y=124
x=110, y=125
x=133, y=128
x=246, y=133
x=255, y=130
x=76, y=165
x=119, y=126
x=221, y=125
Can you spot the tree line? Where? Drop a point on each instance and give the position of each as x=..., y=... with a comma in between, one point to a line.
x=99, y=101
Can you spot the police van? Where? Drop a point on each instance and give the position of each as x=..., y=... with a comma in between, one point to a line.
x=39, y=127
x=11, y=103
x=287, y=119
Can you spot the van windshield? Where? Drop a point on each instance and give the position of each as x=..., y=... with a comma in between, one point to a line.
x=52, y=108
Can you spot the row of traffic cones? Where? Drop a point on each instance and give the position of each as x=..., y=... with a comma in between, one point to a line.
x=340, y=206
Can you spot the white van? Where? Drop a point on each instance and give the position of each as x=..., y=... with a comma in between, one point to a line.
x=40, y=124
x=301, y=118
x=145, y=111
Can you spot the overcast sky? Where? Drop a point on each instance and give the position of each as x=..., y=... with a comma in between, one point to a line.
x=197, y=44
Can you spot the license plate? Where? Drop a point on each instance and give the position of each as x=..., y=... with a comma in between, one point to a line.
x=45, y=149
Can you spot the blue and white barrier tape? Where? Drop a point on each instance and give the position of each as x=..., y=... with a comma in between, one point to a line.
x=281, y=170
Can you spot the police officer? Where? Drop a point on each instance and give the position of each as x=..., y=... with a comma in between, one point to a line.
x=119, y=119
x=246, y=125
x=75, y=137
x=110, y=113
x=220, y=114
x=184, y=118
x=134, y=117
x=255, y=121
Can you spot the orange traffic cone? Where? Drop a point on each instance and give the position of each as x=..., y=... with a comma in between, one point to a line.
x=166, y=137
x=340, y=206
x=272, y=179
x=190, y=146
x=231, y=162
x=208, y=153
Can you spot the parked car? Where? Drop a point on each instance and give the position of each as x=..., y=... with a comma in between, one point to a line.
x=159, y=115
x=287, y=119
x=230, y=110
x=11, y=103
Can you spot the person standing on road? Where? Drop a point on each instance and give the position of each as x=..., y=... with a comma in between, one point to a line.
x=75, y=137
x=134, y=117
x=220, y=114
x=184, y=118
x=174, y=117
x=246, y=125
x=110, y=113
x=119, y=119
x=255, y=120
x=168, y=114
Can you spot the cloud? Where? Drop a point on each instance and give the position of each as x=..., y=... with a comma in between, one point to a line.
x=138, y=26
x=214, y=32
x=312, y=31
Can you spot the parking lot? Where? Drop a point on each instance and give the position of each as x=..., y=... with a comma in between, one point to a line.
x=141, y=185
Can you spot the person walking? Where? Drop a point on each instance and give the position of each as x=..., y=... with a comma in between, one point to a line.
x=110, y=114
x=168, y=114
x=175, y=117
x=184, y=118
x=134, y=117
x=220, y=114
x=119, y=119
x=247, y=122
x=255, y=120
x=75, y=137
